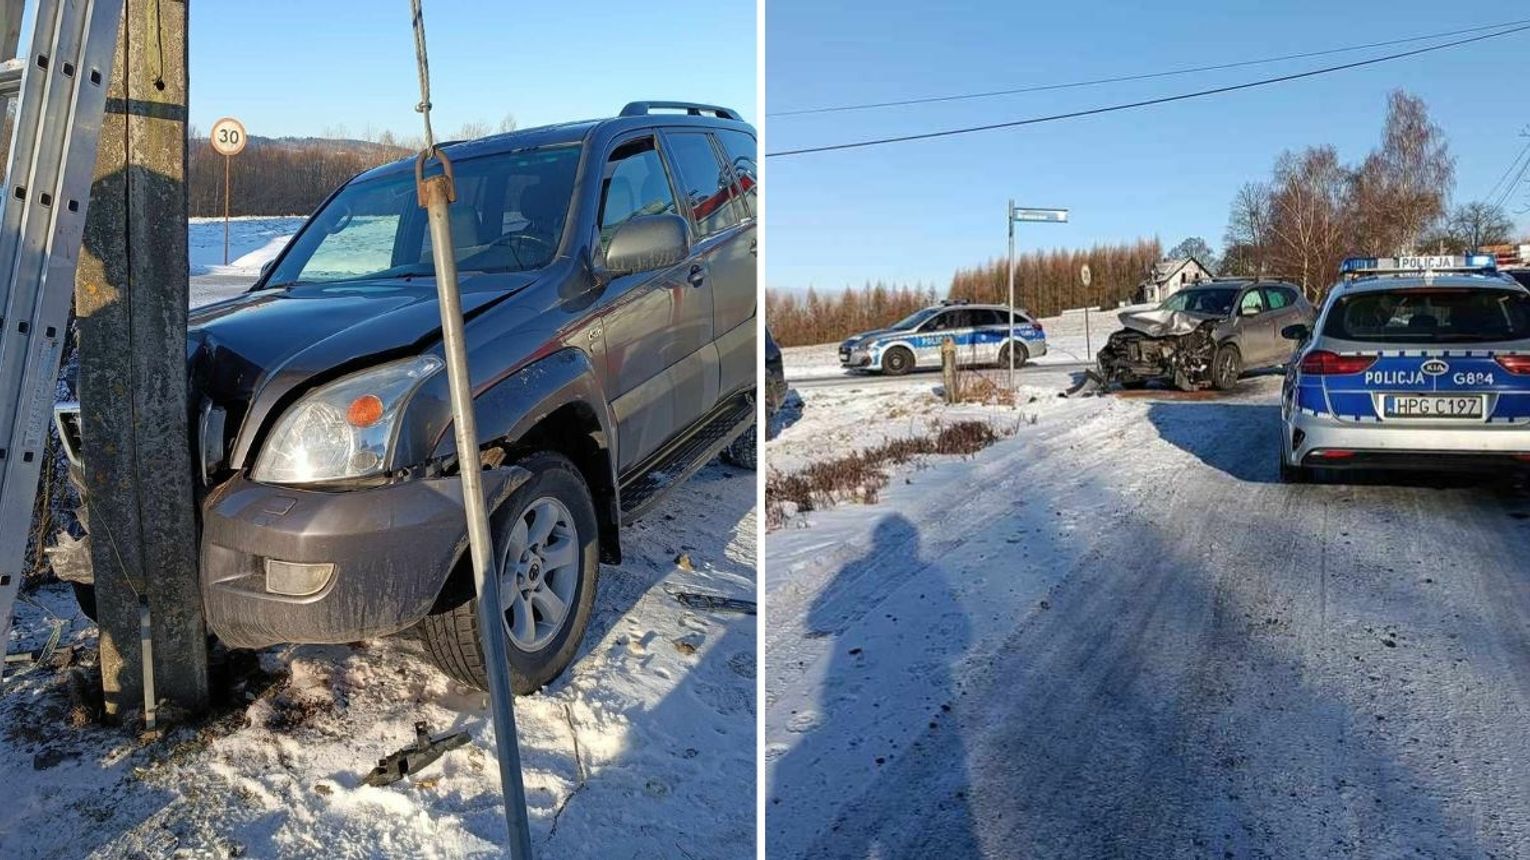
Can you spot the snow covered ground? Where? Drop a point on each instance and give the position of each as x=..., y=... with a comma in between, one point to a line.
x=644, y=748
x=1114, y=633
x=252, y=241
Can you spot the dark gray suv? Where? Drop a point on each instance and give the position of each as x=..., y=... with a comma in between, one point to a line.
x=1206, y=335
x=608, y=281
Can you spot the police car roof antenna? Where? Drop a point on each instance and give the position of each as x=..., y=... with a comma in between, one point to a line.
x=436, y=193
x=60, y=86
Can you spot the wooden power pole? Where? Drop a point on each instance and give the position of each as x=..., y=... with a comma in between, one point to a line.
x=131, y=297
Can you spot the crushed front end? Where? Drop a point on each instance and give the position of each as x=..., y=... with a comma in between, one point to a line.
x=1173, y=346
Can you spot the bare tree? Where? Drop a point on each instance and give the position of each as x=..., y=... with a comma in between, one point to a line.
x=1196, y=247
x=1472, y=225
x=507, y=124
x=1246, y=242
x=474, y=130
x=1307, y=216
x=1400, y=190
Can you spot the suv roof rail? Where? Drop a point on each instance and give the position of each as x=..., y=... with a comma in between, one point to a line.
x=949, y=302
x=1252, y=279
x=691, y=109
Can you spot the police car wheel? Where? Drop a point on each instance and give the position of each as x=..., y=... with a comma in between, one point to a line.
x=1290, y=474
x=1226, y=367
x=1021, y=357
x=897, y=361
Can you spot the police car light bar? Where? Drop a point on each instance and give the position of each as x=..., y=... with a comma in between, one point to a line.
x=1357, y=266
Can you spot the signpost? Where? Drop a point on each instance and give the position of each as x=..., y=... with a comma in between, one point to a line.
x=228, y=139
x=1051, y=216
x=1087, y=277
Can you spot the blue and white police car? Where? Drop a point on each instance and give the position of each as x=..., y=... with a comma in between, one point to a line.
x=1413, y=363
x=981, y=332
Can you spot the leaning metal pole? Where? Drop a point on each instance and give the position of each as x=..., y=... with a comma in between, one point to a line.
x=436, y=194
x=1009, y=220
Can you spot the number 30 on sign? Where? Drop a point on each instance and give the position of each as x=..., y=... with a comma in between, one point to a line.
x=228, y=136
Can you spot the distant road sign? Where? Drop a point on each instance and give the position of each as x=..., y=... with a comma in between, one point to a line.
x=1053, y=215
x=228, y=137
x=1085, y=275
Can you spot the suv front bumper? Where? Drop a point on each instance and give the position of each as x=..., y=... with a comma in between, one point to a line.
x=392, y=548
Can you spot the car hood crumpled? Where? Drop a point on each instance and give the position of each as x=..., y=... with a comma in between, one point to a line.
x=1164, y=323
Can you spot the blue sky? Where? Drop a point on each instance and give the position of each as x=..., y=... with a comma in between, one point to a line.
x=301, y=68
x=917, y=211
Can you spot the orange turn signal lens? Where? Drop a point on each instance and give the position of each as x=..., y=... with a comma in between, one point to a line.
x=365, y=411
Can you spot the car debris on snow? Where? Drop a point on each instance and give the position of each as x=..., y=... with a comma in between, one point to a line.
x=415, y=757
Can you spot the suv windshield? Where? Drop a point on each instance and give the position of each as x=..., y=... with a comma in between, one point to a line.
x=1431, y=315
x=1217, y=301
x=508, y=217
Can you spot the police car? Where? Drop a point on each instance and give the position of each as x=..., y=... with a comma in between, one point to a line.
x=981, y=333
x=1413, y=362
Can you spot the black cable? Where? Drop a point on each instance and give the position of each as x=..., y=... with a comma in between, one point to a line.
x=1140, y=77
x=1508, y=190
x=1493, y=192
x=1145, y=103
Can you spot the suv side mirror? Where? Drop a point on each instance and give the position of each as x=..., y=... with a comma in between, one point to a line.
x=265, y=268
x=1298, y=332
x=647, y=242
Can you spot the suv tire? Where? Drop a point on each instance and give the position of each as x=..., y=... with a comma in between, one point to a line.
x=744, y=451
x=897, y=361
x=451, y=637
x=1226, y=367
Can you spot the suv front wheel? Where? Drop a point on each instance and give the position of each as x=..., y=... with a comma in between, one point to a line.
x=548, y=558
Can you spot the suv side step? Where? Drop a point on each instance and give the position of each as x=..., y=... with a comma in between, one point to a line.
x=675, y=463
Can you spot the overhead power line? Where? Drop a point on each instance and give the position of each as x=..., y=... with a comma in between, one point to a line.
x=1508, y=190
x=1492, y=194
x=1038, y=88
x=971, y=129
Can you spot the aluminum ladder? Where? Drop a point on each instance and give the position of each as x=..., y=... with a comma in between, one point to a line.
x=60, y=84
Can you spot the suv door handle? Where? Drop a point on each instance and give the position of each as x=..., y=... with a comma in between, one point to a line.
x=754, y=247
x=698, y=275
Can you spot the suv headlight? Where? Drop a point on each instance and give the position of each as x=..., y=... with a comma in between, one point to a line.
x=344, y=429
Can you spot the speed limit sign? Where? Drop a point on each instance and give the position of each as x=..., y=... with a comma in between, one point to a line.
x=228, y=139
x=1085, y=275
x=228, y=136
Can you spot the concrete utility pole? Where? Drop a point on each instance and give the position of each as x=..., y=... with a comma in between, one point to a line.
x=10, y=30
x=131, y=296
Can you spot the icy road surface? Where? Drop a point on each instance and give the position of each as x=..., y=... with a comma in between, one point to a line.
x=644, y=748
x=1115, y=634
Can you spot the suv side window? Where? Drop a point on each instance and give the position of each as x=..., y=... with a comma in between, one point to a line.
x=704, y=182
x=1278, y=298
x=1251, y=302
x=634, y=183
x=740, y=149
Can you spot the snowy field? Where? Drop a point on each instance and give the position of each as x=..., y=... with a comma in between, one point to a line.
x=1114, y=633
x=251, y=243
x=644, y=748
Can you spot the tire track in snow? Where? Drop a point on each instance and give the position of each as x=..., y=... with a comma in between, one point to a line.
x=1196, y=686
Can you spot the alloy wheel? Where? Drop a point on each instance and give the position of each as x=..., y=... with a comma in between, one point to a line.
x=539, y=573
